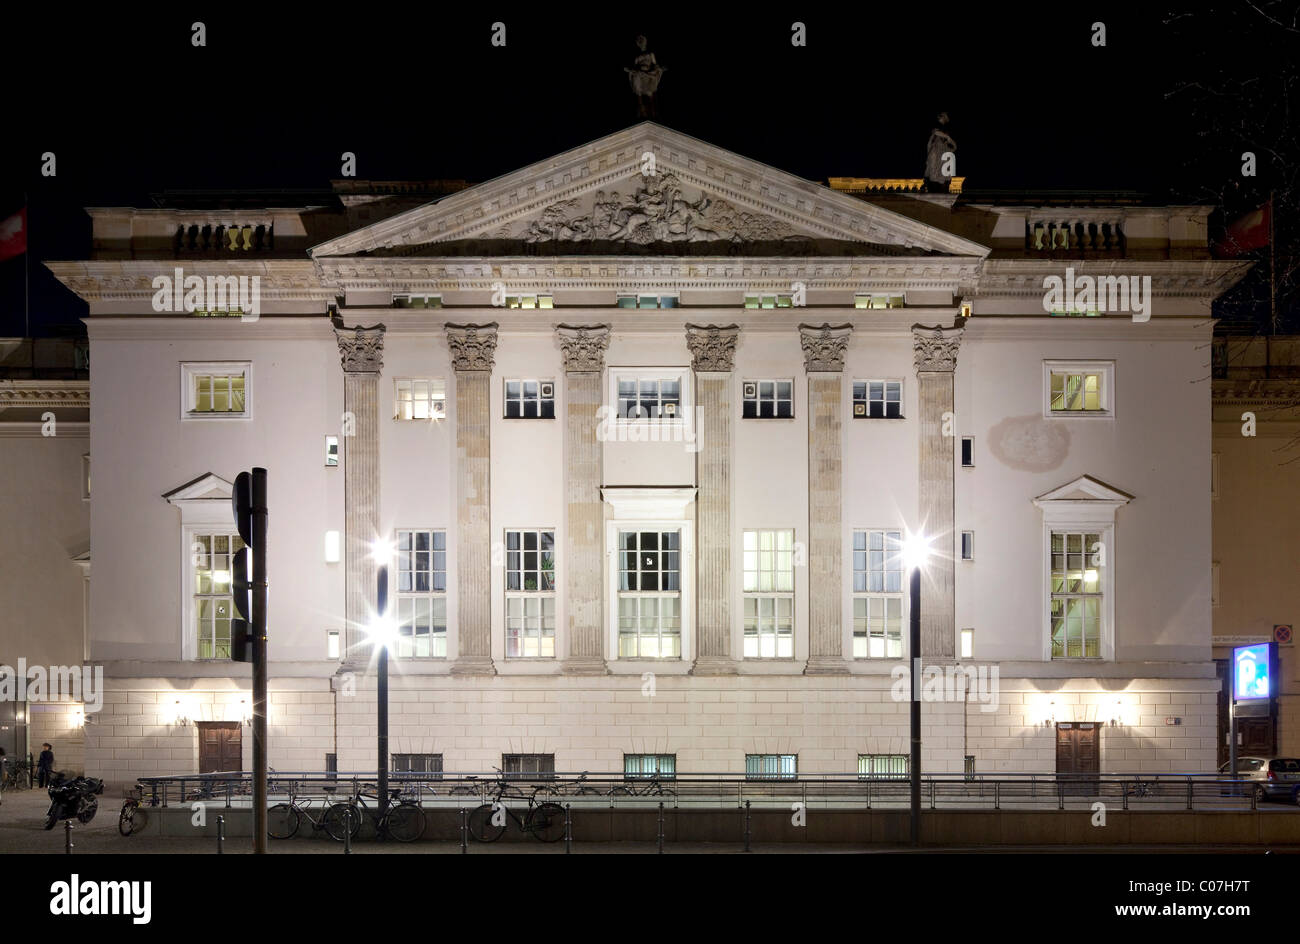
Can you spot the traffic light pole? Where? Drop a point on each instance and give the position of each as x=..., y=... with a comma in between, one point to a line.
x=914, y=653
x=382, y=600
x=259, y=528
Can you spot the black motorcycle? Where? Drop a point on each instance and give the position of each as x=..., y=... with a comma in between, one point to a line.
x=73, y=799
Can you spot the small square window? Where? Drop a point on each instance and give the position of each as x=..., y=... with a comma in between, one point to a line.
x=1078, y=389
x=530, y=399
x=968, y=452
x=878, y=399
x=420, y=399
x=767, y=399
x=216, y=391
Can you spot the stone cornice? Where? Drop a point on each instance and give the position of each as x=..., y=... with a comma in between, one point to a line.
x=44, y=393
x=583, y=347
x=361, y=350
x=472, y=346
x=1021, y=278
x=482, y=211
x=1257, y=391
x=101, y=280
x=712, y=347
x=823, y=346
x=935, y=348
x=11, y=429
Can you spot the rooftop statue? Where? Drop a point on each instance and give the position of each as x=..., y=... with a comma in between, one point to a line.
x=644, y=74
x=941, y=142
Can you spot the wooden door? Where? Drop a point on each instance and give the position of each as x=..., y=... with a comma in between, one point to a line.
x=221, y=746
x=1078, y=752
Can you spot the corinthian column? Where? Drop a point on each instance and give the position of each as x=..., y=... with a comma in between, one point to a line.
x=472, y=347
x=935, y=358
x=823, y=352
x=361, y=351
x=713, y=355
x=583, y=350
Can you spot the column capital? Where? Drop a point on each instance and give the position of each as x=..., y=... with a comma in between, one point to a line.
x=583, y=346
x=935, y=348
x=472, y=346
x=712, y=347
x=823, y=346
x=361, y=350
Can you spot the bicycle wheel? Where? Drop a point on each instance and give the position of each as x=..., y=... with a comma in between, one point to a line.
x=481, y=825
x=282, y=821
x=334, y=821
x=546, y=822
x=130, y=818
x=405, y=822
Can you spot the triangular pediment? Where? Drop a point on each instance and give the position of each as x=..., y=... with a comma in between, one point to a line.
x=1085, y=489
x=603, y=197
x=207, y=487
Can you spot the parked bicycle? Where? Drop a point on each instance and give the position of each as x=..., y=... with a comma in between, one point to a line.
x=582, y=787
x=285, y=819
x=403, y=820
x=132, y=819
x=652, y=786
x=544, y=821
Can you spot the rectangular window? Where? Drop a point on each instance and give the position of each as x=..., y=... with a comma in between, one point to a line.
x=530, y=594
x=333, y=646
x=968, y=643
x=408, y=300
x=647, y=301
x=420, y=399
x=649, y=397
x=968, y=545
x=883, y=766
x=331, y=451
x=213, y=559
x=769, y=594
x=877, y=594
x=217, y=390
x=877, y=301
x=767, y=399
x=421, y=595
x=530, y=301
x=662, y=766
x=771, y=766
x=649, y=595
x=1076, y=595
x=528, y=766
x=418, y=764
x=878, y=399
x=530, y=399
x=1078, y=388
x=775, y=300
x=967, y=452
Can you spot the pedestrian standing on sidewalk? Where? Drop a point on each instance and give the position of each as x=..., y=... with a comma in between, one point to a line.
x=45, y=765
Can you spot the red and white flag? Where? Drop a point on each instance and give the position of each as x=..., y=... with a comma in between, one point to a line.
x=13, y=235
x=1249, y=232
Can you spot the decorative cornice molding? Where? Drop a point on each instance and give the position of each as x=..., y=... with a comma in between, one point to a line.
x=44, y=393
x=472, y=346
x=583, y=347
x=132, y=279
x=712, y=347
x=935, y=348
x=1257, y=391
x=1170, y=278
x=824, y=346
x=361, y=350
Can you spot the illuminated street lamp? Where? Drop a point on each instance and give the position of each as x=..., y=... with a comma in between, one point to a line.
x=915, y=551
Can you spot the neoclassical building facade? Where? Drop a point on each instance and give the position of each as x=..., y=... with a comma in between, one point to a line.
x=644, y=425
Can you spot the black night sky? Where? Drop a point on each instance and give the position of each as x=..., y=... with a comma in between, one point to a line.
x=131, y=108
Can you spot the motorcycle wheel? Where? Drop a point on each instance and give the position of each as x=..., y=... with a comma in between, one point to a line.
x=51, y=820
x=87, y=812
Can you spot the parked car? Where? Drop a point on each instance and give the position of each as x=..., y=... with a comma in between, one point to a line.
x=1276, y=778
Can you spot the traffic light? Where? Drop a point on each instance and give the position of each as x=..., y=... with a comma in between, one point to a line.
x=241, y=637
x=248, y=631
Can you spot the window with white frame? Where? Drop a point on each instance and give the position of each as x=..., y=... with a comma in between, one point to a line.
x=649, y=594
x=649, y=397
x=530, y=399
x=647, y=301
x=883, y=766
x=769, y=594
x=418, y=764
x=1076, y=585
x=878, y=399
x=1078, y=388
x=216, y=390
x=212, y=559
x=658, y=766
x=528, y=766
x=771, y=766
x=421, y=594
x=877, y=594
x=530, y=594
x=419, y=399
x=968, y=545
x=767, y=399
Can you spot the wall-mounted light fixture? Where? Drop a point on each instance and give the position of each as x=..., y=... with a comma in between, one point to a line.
x=181, y=716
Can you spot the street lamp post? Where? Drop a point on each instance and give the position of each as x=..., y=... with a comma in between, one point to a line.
x=381, y=640
x=914, y=651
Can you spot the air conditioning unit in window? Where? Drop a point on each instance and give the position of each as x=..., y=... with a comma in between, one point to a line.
x=750, y=391
x=438, y=409
x=548, y=391
x=670, y=409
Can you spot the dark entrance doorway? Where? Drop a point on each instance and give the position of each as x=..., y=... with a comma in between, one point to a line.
x=1078, y=755
x=221, y=746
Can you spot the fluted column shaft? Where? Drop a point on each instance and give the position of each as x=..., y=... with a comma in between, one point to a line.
x=583, y=350
x=472, y=348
